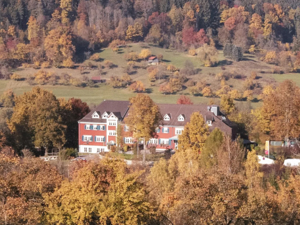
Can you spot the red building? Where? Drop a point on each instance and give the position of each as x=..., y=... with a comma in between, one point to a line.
x=98, y=129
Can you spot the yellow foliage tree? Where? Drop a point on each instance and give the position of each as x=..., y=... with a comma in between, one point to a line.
x=145, y=53
x=194, y=134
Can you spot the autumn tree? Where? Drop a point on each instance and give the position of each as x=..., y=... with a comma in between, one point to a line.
x=145, y=53
x=137, y=86
x=194, y=134
x=36, y=120
x=113, y=196
x=7, y=99
x=227, y=104
x=184, y=100
x=208, y=55
x=143, y=117
x=72, y=111
x=208, y=155
x=134, y=32
x=278, y=116
x=58, y=45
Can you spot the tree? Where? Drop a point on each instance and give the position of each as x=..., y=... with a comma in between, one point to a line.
x=194, y=134
x=207, y=92
x=7, y=99
x=36, y=120
x=135, y=32
x=208, y=155
x=278, y=117
x=58, y=45
x=143, y=117
x=137, y=86
x=184, y=100
x=227, y=104
x=145, y=53
x=208, y=55
x=71, y=112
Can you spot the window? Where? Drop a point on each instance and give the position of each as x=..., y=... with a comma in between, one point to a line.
x=112, y=133
x=126, y=128
x=165, y=130
x=164, y=141
x=87, y=127
x=178, y=131
x=87, y=138
x=95, y=127
x=112, y=124
x=153, y=141
x=100, y=138
x=209, y=122
x=128, y=140
x=95, y=115
x=180, y=118
x=98, y=150
x=85, y=149
x=90, y=149
x=167, y=117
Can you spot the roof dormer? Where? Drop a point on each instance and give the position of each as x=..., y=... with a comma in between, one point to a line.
x=181, y=117
x=96, y=115
x=112, y=116
x=167, y=117
x=105, y=115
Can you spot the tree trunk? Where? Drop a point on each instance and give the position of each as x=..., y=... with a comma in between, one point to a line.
x=46, y=151
x=144, y=155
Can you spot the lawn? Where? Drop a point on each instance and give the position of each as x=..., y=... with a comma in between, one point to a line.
x=104, y=91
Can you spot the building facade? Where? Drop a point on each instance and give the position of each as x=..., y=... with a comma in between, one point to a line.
x=98, y=129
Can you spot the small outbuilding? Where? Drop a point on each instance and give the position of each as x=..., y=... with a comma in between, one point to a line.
x=97, y=79
x=153, y=60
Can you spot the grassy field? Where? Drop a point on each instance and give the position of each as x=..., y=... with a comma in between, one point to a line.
x=104, y=91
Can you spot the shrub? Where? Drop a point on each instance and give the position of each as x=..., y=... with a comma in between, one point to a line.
x=108, y=64
x=45, y=65
x=253, y=75
x=233, y=52
x=207, y=92
x=16, y=77
x=68, y=63
x=271, y=57
x=277, y=70
x=36, y=65
x=95, y=57
x=137, y=86
x=208, y=55
x=192, y=52
x=26, y=65
x=172, y=68
x=75, y=82
x=145, y=53
x=116, y=43
x=132, y=56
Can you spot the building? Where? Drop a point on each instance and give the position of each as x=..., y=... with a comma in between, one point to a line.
x=153, y=60
x=98, y=129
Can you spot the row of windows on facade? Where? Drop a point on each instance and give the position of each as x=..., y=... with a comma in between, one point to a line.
x=167, y=117
x=90, y=138
x=98, y=127
x=85, y=149
x=154, y=141
x=101, y=127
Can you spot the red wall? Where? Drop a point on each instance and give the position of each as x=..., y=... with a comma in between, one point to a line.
x=112, y=128
x=94, y=133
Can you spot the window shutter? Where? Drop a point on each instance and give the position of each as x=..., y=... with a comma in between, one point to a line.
x=158, y=130
x=167, y=130
x=95, y=138
x=82, y=137
x=91, y=127
x=91, y=139
x=124, y=140
x=98, y=127
x=104, y=139
x=159, y=142
x=103, y=127
x=170, y=142
x=85, y=126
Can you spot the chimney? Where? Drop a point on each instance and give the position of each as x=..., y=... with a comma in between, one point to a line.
x=215, y=110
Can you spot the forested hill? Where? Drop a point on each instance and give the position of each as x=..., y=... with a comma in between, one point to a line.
x=61, y=31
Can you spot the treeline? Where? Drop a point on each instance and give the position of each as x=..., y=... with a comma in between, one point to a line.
x=67, y=31
x=218, y=186
x=37, y=120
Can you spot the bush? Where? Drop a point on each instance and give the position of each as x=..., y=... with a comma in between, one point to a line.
x=192, y=52
x=45, y=65
x=113, y=148
x=16, y=77
x=36, y=65
x=95, y=57
x=108, y=64
x=126, y=148
x=271, y=57
x=233, y=52
x=26, y=65
x=132, y=56
x=68, y=63
x=76, y=82
x=172, y=68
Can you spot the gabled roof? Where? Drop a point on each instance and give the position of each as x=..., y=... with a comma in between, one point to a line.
x=119, y=108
